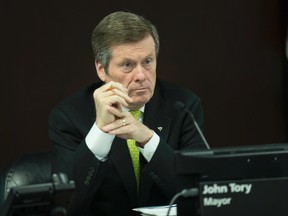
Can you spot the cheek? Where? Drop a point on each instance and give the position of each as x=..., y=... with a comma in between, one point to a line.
x=152, y=78
x=121, y=78
x=126, y=81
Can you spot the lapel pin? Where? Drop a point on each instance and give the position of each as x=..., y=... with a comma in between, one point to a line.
x=160, y=128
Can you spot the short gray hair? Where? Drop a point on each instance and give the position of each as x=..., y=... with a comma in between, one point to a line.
x=118, y=28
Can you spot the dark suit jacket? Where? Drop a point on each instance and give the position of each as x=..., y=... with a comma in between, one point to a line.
x=109, y=188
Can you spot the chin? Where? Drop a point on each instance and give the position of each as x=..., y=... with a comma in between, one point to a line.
x=139, y=103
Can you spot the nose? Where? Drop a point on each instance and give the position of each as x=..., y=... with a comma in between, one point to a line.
x=140, y=73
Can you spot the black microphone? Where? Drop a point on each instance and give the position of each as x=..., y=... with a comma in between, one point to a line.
x=179, y=105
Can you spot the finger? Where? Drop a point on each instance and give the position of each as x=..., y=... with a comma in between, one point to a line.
x=118, y=130
x=122, y=94
x=118, y=89
x=118, y=112
x=125, y=132
x=137, y=131
x=116, y=101
x=122, y=123
x=114, y=85
x=110, y=98
x=114, y=125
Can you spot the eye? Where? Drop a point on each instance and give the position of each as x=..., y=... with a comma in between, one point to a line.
x=148, y=61
x=127, y=66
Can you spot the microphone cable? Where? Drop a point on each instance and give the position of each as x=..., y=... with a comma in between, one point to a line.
x=192, y=192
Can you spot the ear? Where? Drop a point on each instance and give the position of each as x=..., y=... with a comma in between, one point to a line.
x=100, y=71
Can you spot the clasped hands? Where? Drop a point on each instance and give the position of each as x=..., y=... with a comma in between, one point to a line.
x=110, y=99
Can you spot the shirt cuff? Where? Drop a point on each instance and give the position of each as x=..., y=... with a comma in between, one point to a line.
x=150, y=147
x=99, y=142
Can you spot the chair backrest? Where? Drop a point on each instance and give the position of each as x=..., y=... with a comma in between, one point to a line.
x=33, y=168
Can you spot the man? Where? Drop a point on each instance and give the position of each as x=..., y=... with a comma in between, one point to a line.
x=89, y=130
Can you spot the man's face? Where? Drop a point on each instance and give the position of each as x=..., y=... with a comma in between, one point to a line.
x=134, y=66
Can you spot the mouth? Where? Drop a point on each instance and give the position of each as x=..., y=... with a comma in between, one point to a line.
x=139, y=90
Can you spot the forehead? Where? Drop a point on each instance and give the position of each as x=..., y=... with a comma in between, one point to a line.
x=135, y=50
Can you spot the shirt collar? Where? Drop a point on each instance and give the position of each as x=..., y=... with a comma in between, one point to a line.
x=125, y=109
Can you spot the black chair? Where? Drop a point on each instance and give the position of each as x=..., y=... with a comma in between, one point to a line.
x=32, y=168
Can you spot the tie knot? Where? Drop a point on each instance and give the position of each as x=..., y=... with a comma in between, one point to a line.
x=135, y=114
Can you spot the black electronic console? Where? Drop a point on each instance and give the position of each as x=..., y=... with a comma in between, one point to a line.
x=47, y=199
x=240, y=180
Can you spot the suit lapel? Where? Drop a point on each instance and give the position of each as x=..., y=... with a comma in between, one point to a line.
x=160, y=122
x=155, y=117
x=121, y=159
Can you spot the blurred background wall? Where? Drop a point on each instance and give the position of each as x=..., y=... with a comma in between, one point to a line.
x=230, y=52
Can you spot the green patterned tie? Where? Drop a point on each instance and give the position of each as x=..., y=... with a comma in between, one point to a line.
x=134, y=151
